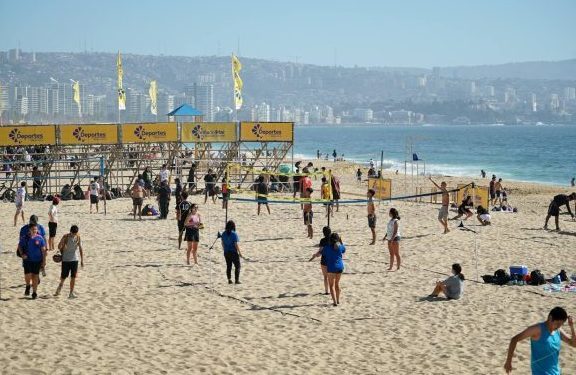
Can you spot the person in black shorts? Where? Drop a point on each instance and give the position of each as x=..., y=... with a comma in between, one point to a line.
x=464, y=209
x=326, y=231
x=308, y=213
x=182, y=212
x=554, y=208
x=262, y=194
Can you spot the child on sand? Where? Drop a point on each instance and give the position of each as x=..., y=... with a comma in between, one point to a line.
x=371, y=214
x=443, y=214
x=52, y=222
x=308, y=213
x=393, y=237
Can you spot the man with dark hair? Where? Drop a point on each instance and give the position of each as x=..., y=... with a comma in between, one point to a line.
x=371, y=214
x=545, y=339
x=69, y=246
x=32, y=249
x=262, y=194
x=164, y=194
x=554, y=208
x=182, y=214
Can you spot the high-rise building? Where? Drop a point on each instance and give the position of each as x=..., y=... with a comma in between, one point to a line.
x=570, y=93
x=554, y=102
x=263, y=112
x=204, y=100
x=22, y=105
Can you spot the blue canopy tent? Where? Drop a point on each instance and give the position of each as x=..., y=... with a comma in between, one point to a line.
x=186, y=110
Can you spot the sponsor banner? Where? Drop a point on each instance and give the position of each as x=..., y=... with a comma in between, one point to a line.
x=267, y=131
x=99, y=134
x=209, y=132
x=482, y=195
x=28, y=135
x=155, y=132
x=382, y=186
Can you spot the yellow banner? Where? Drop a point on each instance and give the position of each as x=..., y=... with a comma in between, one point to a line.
x=209, y=132
x=101, y=134
x=267, y=131
x=481, y=198
x=27, y=135
x=155, y=132
x=382, y=186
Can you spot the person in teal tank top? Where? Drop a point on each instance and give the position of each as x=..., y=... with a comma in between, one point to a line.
x=545, y=339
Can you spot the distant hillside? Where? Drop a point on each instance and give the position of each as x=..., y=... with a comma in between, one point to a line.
x=550, y=70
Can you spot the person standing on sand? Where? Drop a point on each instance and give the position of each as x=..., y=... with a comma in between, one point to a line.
x=393, y=237
x=545, y=340
x=19, y=202
x=498, y=188
x=554, y=208
x=232, y=252
x=326, y=196
x=210, y=186
x=192, y=223
x=573, y=182
x=443, y=214
x=69, y=246
x=308, y=213
x=371, y=214
x=164, y=195
x=492, y=191
x=334, y=154
x=323, y=242
x=262, y=194
x=52, y=222
x=359, y=175
x=192, y=177
x=94, y=193
x=182, y=214
x=147, y=177
x=332, y=253
x=137, y=194
x=33, y=252
x=163, y=173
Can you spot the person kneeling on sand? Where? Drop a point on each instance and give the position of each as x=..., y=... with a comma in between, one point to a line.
x=545, y=340
x=483, y=216
x=453, y=286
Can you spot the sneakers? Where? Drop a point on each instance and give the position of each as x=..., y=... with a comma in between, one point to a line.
x=238, y=282
x=229, y=281
x=58, y=291
x=34, y=295
x=72, y=295
x=27, y=291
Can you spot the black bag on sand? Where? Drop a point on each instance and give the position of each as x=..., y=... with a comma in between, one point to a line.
x=537, y=278
x=489, y=279
x=501, y=277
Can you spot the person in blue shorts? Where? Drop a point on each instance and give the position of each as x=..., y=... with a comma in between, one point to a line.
x=332, y=253
x=232, y=252
x=33, y=252
x=545, y=339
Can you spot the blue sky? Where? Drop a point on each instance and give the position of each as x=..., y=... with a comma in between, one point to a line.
x=365, y=33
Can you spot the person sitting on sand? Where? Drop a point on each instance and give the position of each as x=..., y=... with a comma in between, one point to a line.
x=545, y=341
x=453, y=286
x=323, y=242
x=371, y=214
x=464, y=209
x=554, y=208
x=443, y=213
x=393, y=237
x=332, y=253
x=483, y=215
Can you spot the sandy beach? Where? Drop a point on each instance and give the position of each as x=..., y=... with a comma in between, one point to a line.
x=141, y=310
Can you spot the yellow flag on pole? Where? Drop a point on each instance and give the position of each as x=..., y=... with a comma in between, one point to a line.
x=238, y=84
x=121, y=92
x=153, y=93
x=76, y=97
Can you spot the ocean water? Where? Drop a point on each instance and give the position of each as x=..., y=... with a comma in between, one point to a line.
x=534, y=153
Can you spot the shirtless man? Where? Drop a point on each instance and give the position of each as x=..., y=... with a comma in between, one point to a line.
x=371, y=214
x=443, y=214
x=137, y=194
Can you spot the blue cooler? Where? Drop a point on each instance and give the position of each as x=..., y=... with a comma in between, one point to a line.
x=518, y=270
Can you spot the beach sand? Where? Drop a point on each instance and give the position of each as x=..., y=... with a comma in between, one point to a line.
x=141, y=310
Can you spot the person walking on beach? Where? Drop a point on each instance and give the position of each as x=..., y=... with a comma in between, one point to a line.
x=443, y=213
x=393, y=237
x=225, y=192
x=52, y=222
x=19, y=202
x=453, y=286
x=317, y=154
x=308, y=213
x=262, y=194
x=210, y=186
x=137, y=194
x=232, y=252
x=192, y=223
x=359, y=175
x=164, y=195
x=332, y=253
x=70, y=246
x=545, y=342
x=371, y=214
x=323, y=242
x=94, y=191
x=335, y=184
x=492, y=191
x=554, y=208
x=24, y=230
x=33, y=252
x=182, y=214
x=573, y=182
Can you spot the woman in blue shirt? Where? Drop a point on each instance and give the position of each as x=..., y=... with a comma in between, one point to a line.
x=232, y=252
x=33, y=250
x=332, y=254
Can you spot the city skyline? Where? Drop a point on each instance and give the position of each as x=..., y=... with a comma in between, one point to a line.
x=366, y=33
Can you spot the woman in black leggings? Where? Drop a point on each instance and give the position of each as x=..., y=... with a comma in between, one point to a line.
x=232, y=252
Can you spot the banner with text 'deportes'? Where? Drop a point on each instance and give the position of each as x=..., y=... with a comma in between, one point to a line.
x=93, y=134
x=154, y=132
x=28, y=135
x=267, y=131
x=209, y=132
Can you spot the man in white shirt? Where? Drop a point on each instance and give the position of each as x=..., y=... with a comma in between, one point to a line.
x=94, y=193
x=19, y=202
x=164, y=174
